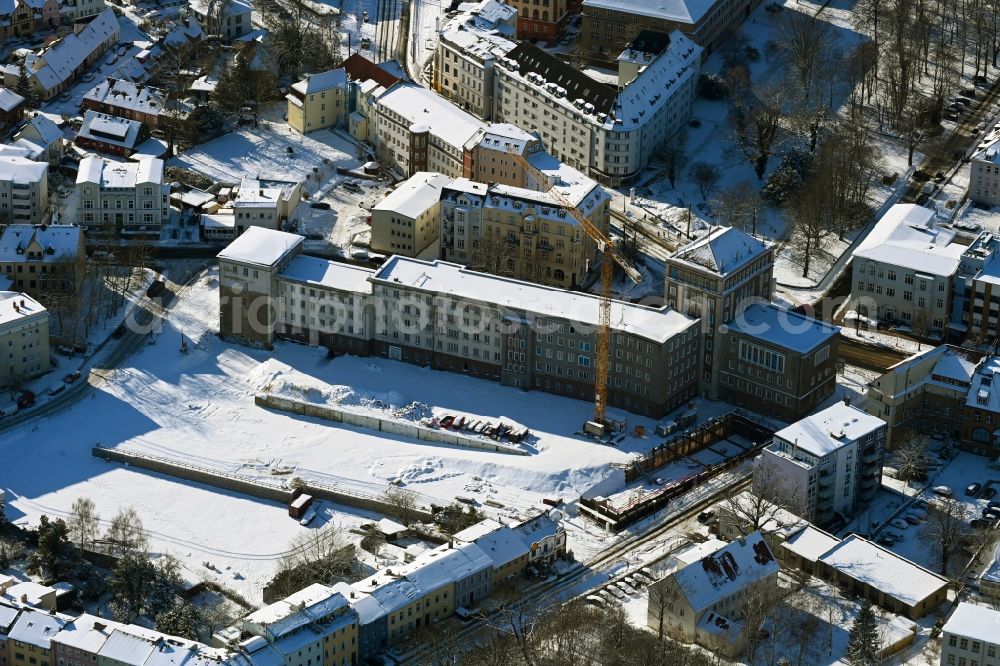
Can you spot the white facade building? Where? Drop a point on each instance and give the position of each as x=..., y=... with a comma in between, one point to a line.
x=122, y=197
x=971, y=637
x=608, y=132
x=824, y=465
x=24, y=191
x=467, y=49
x=24, y=338
x=984, y=171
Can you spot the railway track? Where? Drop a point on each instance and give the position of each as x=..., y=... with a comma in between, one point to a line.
x=546, y=594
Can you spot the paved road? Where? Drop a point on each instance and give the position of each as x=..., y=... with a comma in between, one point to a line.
x=869, y=357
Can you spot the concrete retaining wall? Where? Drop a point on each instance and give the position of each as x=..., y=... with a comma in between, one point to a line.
x=414, y=430
x=254, y=488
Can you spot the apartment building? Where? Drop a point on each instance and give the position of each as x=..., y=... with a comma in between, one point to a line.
x=544, y=20
x=608, y=132
x=55, y=67
x=264, y=203
x=826, y=466
x=924, y=393
x=230, y=20
x=702, y=602
x=108, y=134
x=315, y=625
x=608, y=26
x=24, y=339
x=42, y=135
x=712, y=278
x=450, y=318
x=418, y=130
x=463, y=62
x=989, y=580
x=980, y=411
x=79, y=641
x=126, y=99
x=984, y=172
x=971, y=637
x=535, y=542
x=29, y=642
x=73, y=10
x=407, y=222
x=778, y=362
x=24, y=191
x=43, y=258
x=8, y=615
x=904, y=270
x=122, y=198
x=318, y=101
x=11, y=109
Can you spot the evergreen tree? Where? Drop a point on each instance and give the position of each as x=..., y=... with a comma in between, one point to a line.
x=54, y=556
x=24, y=88
x=182, y=619
x=862, y=650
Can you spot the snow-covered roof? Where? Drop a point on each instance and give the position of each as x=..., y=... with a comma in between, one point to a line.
x=894, y=576
x=810, y=543
x=908, y=237
x=63, y=60
x=108, y=174
x=127, y=647
x=28, y=592
x=21, y=170
x=826, y=431
x=9, y=100
x=255, y=193
x=442, y=277
x=419, y=106
x=40, y=127
x=722, y=250
x=112, y=130
x=985, y=391
x=483, y=45
x=992, y=573
x=502, y=544
x=260, y=246
x=233, y=7
x=314, y=83
x=7, y=616
x=59, y=242
x=784, y=328
x=682, y=11
x=975, y=622
x=87, y=633
x=326, y=273
x=127, y=95
x=308, y=605
x=33, y=627
x=726, y=571
x=415, y=195
x=175, y=651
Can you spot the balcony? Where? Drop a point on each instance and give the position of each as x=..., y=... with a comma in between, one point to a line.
x=825, y=494
x=825, y=479
x=870, y=457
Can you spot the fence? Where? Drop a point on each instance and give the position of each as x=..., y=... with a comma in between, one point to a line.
x=380, y=424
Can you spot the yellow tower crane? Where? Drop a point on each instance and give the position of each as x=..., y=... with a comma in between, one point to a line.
x=610, y=255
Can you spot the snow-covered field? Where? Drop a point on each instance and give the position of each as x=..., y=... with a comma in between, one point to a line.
x=199, y=406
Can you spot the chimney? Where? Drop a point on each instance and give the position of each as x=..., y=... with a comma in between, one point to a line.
x=451, y=544
x=847, y=400
x=352, y=594
x=100, y=626
x=24, y=598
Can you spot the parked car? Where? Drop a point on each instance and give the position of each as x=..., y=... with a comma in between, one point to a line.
x=626, y=588
x=942, y=491
x=921, y=504
x=900, y=524
x=973, y=489
x=893, y=534
x=26, y=399
x=320, y=205
x=56, y=390
x=72, y=377
x=89, y=76
x=886, y=541
x=988, y=493
x=911, y=519
x=618, y=594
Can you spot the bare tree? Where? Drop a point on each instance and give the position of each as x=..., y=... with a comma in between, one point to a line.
x=808, y=41
x=705, y=176
x=401, y=505
x=492, y=254
x=942, y=533
x=756, y=114
x=673, y=154
x=758, y=602
x=324, y=557
x=910, y=458
x=83, y=523
x=126, y=534
x=810, y=221
x=662, y=595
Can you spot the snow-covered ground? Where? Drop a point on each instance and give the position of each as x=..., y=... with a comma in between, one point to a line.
x=199, y=406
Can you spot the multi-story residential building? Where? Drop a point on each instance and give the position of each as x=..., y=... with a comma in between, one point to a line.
x=713, y=277
x=609, y=25
x=523, y=233
x=43, y=258
x=79, y=641
x=126, y=99
x=971, y=637
x=8, y=615
x=904, y=271
x=702, y=602
x=924, y=393
x=984, y=171
x=491, y=156
x=544, y=19
x=41, y=132
x=227, y=18
x=29, y=642
x=778, y=362
x=55, y=67
x=606, y=131
x=24, y=191
x=128, y=198
x=407, y=222
x=264, y=203
x=318, y=101
x=71, y=11
x=989, y=581
x=980, y=412
x=11, y=109
x=450, y=318
x=418, y=130
x=826, y=466
x=463, y=62
x=537, y=541
x=315, y=625
x=110, y=134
